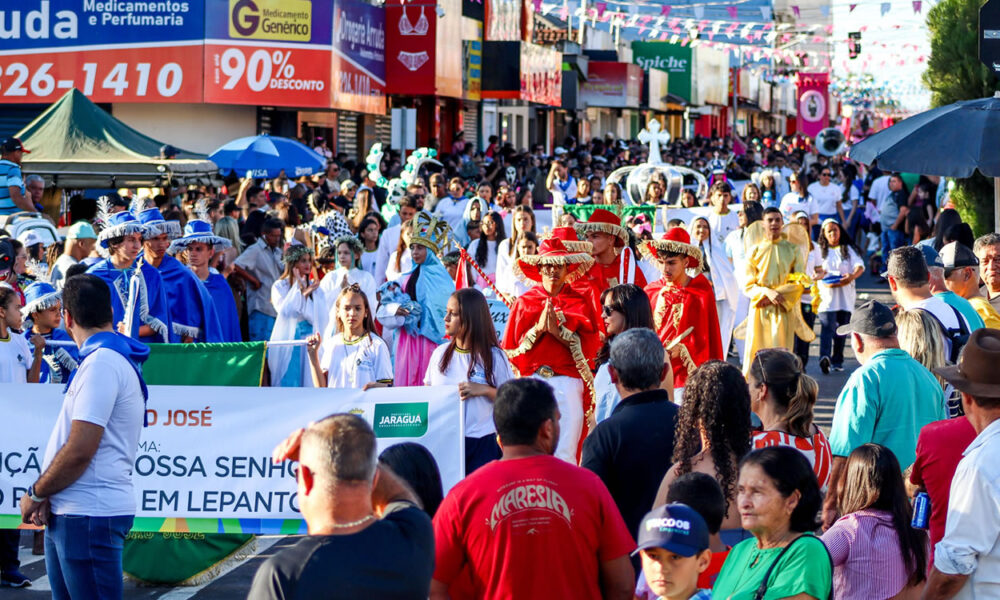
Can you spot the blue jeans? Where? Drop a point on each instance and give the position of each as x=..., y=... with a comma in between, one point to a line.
x=83, y=556
x=891, y=239
x=259, y=326
x=829, y=321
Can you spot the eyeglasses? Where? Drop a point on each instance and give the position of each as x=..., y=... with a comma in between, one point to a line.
x=824, y=174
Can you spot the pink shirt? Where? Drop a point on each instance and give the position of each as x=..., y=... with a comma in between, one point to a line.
x=867, y=560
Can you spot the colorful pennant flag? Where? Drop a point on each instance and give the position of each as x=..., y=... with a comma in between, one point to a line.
x=796, y=12
x=665, y=10
x=886, y=7
x=733, y=11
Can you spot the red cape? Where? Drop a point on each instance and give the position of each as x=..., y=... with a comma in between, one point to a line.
x=606, y=276
x=690, y=306
x=581, y=317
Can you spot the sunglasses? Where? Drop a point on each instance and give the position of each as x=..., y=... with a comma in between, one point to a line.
x=824, y=174
x=607, y=310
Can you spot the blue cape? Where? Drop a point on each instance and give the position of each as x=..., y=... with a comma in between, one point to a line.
x=225, y=307
x=192, y=311
x=433, y=290
x=59, y=362
x=157, y=316
x=134, y=352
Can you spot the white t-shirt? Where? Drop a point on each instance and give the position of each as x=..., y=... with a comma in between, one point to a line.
x=944, y=312
x=369, y=262
x=105, y=392
x=355, y=364
x=723, y=225
x=15, y=358
x=561, y=190
x=387, y=244
x=835, y=298
x=879, y=190
x=507, y=282
x=792, y=203
x=491, y=255
x=825, y=197
x=478, y=409
x=452, y=210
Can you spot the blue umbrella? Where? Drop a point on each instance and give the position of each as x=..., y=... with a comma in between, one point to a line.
x=951, y=141
x=266, y=156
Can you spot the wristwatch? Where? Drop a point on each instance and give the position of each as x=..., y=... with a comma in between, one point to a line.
x=31, y=494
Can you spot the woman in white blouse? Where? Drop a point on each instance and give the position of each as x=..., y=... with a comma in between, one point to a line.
x=835, y=263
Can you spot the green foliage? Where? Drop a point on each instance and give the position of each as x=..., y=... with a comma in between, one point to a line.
x=954, y=73
x=953, y=70
x=973, y=197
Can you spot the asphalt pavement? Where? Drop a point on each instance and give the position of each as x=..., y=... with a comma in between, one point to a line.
x=235, y=582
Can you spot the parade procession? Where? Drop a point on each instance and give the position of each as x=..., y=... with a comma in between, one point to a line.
x=499, y=299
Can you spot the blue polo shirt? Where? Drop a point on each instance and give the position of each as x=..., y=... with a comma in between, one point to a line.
x=886, y=401
x=10, y=176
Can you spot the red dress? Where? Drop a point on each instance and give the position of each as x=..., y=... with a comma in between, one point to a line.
x=677, y=308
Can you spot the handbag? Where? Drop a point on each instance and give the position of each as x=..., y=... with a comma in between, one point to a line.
x=763, y=584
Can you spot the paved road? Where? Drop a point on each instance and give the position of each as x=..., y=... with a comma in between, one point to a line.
x=235, y=583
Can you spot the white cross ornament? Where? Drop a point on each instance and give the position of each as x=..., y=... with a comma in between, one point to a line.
x=654, y=137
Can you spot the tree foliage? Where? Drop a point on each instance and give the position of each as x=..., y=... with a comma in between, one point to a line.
x=954, y=73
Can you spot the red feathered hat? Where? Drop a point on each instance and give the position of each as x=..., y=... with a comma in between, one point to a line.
x=607, y=222
x=553, y=252
x=675, y=240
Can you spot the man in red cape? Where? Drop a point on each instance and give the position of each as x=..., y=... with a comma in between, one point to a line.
x=552, y=334
x=587, y=284
x=679, y=302
x=609, y=241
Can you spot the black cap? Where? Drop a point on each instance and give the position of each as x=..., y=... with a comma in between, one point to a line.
x=871, y=318
x=114, y=199
x=168, y=151
x=7, y=256
x=13, y=144
x=955, y=255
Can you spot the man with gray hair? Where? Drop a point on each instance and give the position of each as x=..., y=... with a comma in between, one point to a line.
x=987, y=249
x=632, y=449
x=350, y=552
x=35, y=186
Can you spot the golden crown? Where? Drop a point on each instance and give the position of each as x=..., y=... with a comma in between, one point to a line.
x=429, y=231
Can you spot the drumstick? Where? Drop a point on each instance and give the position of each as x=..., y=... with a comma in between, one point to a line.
x=678, y=339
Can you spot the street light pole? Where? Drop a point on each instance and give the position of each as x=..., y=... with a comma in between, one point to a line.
x=736, y=87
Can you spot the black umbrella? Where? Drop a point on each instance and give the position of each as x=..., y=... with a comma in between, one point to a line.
x=951, y=141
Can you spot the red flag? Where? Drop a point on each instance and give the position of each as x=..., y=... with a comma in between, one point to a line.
x=462, y=276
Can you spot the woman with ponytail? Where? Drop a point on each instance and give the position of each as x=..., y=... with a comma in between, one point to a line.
x=783, y=396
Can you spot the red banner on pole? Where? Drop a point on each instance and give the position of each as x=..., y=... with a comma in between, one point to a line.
x=813, y=102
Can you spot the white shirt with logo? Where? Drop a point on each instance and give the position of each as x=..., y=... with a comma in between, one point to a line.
x=15, y=358
x=478, y=409
x=354, y=364
x=105, y=392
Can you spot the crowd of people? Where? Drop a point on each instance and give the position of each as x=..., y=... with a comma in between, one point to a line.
x=644, y=425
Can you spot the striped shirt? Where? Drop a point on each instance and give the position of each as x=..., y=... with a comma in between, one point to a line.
x=867, y=559
x=10, y=176
x=815, y=448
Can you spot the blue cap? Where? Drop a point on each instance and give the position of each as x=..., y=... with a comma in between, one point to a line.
x=931, y=255
x=674, y=527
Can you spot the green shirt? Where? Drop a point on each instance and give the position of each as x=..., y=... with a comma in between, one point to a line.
x=887, y=401
x=804, y=568
x=964, y=307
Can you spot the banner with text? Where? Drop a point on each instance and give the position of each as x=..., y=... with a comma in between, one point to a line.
x=358, y=57
x=268, y=52
x=203, y=463
x=111, y=50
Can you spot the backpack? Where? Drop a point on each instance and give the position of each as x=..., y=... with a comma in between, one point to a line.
x=958, y=337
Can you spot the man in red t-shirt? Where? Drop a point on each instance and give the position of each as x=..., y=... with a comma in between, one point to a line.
x=939, y=450
x=530, y=525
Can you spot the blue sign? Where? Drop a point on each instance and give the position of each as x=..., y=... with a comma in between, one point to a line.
x=37, y=24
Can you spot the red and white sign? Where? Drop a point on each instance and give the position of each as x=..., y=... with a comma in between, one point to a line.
x=410, y=49
x=161, y=74
x=272, y=75
x=612, y=84
x=541, y=74
x=813, y=103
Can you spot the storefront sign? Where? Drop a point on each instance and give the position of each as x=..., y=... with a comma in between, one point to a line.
x=358, y=62
x=541, y=74
x=472, y=64
x=268, y=52
x=813, y=104
x=611, y=84
x=503, y=20
x=672, y=58
x=105, y=48
x=411, y=30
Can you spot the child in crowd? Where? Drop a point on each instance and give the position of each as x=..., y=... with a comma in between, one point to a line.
x=43, y=311
x=301, y=310
x=674, y=546
x=354, y=356
x=473, y=360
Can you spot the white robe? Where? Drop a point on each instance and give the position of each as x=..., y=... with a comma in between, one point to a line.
x=292, y=308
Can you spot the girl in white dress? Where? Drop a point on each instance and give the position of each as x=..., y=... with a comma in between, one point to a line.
x=400, y=261
x=483, y=250
x=301, y=312
x=348, y=251
x=370, y=232
x=354, y=356
x=508, y=252
x=474, y=361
